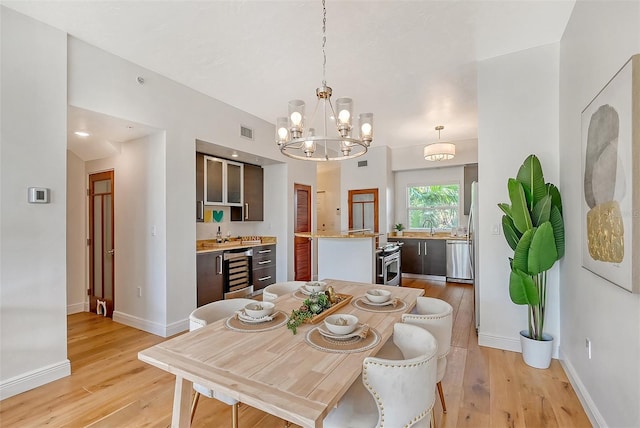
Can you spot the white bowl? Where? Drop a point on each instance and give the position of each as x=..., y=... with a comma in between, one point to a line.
x=341, y=323
x=315, y=286
x=378, y=296
x=259, y=309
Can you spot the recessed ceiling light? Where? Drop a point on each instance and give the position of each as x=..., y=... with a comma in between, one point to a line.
x=234, y=154
x=82, y=134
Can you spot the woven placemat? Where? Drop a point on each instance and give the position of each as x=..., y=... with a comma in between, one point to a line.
x=355, y=344
x=361, y=303
x=279, y=319
x=300, y=295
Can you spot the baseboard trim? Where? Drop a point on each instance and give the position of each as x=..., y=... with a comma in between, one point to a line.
x=590, y=408
x=499, y=342
x=33, y=379
x=150, y=326
x=508, y=343
x=75, y=308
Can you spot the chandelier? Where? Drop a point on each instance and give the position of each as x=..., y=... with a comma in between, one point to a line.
x=327, y=135
x=439, y=151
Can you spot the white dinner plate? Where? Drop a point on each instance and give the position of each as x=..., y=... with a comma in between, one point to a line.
x=250, y=320
x=322, y=329
x=369, y=302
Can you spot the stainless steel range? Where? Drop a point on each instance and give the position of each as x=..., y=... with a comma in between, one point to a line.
x=388, y=264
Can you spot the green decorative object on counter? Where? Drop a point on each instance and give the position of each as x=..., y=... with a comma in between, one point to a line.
x=217, y=215
x=534, y=229
x=399, y=228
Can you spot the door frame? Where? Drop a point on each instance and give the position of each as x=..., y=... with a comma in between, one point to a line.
x=309, y=218
x=92, y=177
x=375, y=206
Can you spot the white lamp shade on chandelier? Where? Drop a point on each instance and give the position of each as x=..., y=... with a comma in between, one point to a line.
x=439, y=151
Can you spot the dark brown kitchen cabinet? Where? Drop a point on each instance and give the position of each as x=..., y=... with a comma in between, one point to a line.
x=470, y=175
x=264, y=266
x=253, y=207
x=424, y=257
x=209, y=278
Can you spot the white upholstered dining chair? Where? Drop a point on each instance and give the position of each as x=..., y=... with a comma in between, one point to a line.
x=392, y=393
x=273, y=291
x=435, y=316
x=199, y=318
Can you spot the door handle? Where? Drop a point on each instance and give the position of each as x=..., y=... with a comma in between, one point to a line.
x=219, y=258
x=419, y=248
x=246, y=211
x=425, y=248
x=111, y=252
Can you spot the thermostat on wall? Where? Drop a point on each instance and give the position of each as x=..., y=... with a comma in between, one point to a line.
x=38, y=195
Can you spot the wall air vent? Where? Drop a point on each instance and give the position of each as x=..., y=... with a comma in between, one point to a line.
x=362, y=163
x=246, y=132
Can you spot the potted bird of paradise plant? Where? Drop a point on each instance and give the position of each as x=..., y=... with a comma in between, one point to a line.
x=533, y=227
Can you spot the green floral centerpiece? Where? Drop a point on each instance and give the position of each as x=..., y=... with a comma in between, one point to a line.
x=312, y=306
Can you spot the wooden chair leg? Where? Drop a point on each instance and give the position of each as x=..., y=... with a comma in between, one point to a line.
x=444, y=406
x=194, y=403
x=234, y=415
x=433, y=418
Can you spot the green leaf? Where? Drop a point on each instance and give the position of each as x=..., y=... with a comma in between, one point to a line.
x=556, y=199
x=541, y=211
x=522, y=289
x=530, y=175
x=519, y=208
x=521, y=253
x=511, y=234
x=506, y=208
x=557, y=223
x=542, y=252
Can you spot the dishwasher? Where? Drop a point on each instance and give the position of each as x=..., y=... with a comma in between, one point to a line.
x=459, y=261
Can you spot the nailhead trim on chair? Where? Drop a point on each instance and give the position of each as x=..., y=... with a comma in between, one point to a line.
x=413, y=317
x=377, y=397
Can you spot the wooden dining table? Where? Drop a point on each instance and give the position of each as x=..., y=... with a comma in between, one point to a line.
x=274, y=370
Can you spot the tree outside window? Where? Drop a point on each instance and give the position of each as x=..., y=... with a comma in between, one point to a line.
x=433, y=206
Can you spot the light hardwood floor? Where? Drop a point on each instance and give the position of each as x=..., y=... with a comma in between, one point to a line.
x=109, y=387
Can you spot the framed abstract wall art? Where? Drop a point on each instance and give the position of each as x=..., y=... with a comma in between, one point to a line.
x=611, y=180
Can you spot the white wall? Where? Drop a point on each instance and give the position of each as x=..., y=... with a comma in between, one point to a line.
x=329, y=190
x=518, y=116
x=33, y=302
x=407, y=158
x=76, y=234
x=101, y=82
x=600, y=37
x=374, y=175
x=445, y=175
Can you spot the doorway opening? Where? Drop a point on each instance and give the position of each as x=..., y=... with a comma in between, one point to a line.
x=302, y=223
x=101, y=243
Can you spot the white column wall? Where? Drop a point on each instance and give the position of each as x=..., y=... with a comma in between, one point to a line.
x=76, y=234
x=518, y=116
x=600, y=37
x=33, y=151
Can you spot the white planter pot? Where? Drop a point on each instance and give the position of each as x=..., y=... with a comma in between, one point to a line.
x=398, y=233
x=536, y=353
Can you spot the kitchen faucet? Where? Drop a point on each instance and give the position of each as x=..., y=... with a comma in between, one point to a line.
x=430, y=222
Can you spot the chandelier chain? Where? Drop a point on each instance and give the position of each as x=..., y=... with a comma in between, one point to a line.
x=324, y=43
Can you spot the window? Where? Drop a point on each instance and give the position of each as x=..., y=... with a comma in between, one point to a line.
x=433, y=206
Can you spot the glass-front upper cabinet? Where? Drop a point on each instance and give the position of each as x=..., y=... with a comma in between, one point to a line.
x=234, y=183
x=222, y=182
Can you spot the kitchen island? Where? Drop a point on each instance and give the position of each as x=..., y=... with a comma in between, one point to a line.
x=348, y=256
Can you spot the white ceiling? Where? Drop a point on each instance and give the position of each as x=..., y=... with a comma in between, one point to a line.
x=411, y=63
